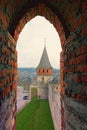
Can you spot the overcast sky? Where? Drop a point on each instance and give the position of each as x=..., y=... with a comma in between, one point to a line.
x=31, y=42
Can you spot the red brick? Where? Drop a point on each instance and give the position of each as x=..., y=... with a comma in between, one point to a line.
x=75, y=78
x=5, y=72
x=60, y=28
x=14, y=85
x=62, y=64
x=2, y=58
x=33, y=12
x=79, y=78
x=40, y=9
x=72, y=20
x=84, y=78
x=71, y=55
x=2, y=38
x=7, y=19
x=84, y=6
x=6, y=91
x=84, y=98
x=73, y=95
x=2, y=3
x=63, y=84
x=5, y=50
x=62, y=77
x=10, y=7
x=84, y=31
x=82, y=50
x=18, y=29
x=80, y=21
x=78, y=60
x=21, y=23
x=71, y=11
x=28, y=17
x=62, y=39
x=55, y=18
x=61, y=70
x=3, y=19
x=81, y=68
x=48, y=15
x=68, y=70
x=78, y=97
x=16, y=35
x=2, y=83
x=70, y=38
x=15, y=70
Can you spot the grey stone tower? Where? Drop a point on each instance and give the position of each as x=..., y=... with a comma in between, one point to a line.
x=44, y=69
x=44, y=74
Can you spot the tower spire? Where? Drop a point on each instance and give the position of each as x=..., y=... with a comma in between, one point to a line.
x=44, y=42
x=44, y=61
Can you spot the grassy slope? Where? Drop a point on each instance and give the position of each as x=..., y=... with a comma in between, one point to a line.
x=35, y=116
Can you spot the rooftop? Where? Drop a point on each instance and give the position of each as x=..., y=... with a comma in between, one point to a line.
x=44, y=62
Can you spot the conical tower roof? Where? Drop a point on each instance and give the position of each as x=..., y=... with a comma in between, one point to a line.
x=44, y=62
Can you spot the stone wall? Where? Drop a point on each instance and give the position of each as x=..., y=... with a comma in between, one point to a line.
x=42, y=90
x=55, y=107
x=8, y=112
x=44, y=78
x=75, y=115
x=8, y=80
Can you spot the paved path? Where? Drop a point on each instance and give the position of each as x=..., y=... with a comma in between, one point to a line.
x=20, y=102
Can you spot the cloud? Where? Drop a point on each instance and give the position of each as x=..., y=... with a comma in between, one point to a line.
x=31, y=42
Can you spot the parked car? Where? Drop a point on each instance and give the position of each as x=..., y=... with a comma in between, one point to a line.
x=25, y=97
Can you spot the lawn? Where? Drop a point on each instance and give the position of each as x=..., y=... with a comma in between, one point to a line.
x=33, y=92
x=35, y=116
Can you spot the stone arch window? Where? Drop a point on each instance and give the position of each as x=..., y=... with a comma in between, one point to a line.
x=47, y=70
x=43, y=71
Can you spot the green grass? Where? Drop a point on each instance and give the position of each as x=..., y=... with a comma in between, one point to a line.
x=33, y=92
x=35, y=116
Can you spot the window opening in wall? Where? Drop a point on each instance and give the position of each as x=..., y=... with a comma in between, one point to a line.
x=30, y=46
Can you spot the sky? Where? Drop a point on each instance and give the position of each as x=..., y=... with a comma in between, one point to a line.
x=30, y=45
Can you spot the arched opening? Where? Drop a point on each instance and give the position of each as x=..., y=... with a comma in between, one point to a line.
x=35, y=43
x=69, y=19
x=16, y=27
x=36, y=33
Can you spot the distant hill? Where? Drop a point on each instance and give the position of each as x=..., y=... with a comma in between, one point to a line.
x=56, y=70
x=27, y=69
